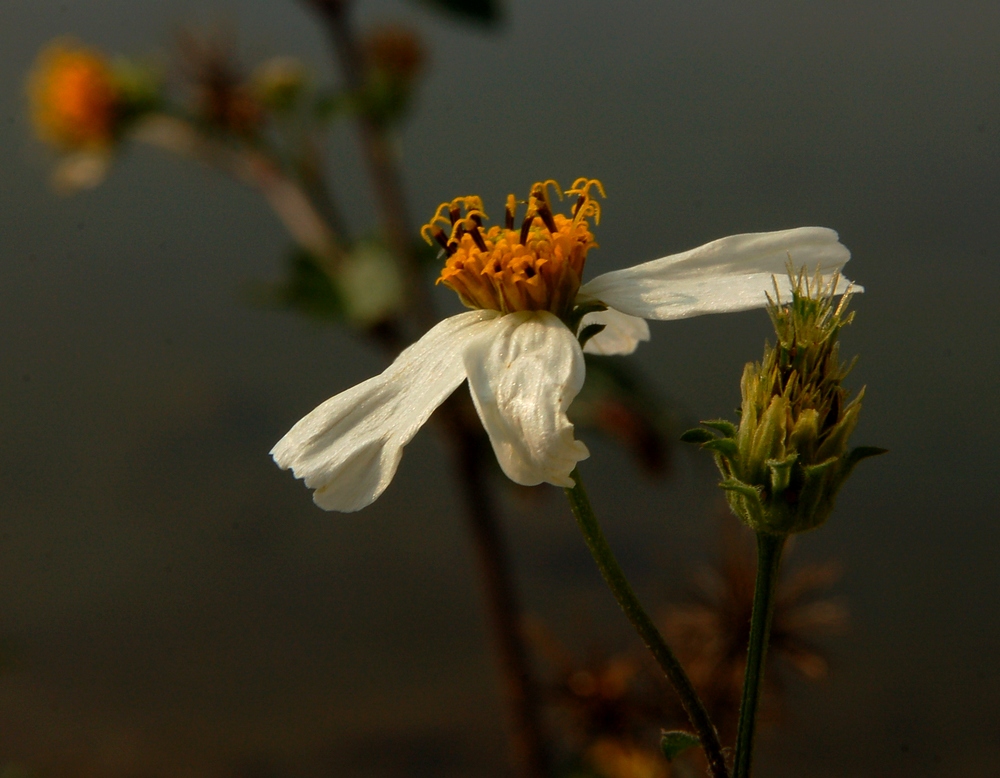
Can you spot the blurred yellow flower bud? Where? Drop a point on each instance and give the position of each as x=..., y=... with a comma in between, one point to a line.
x=278, y=83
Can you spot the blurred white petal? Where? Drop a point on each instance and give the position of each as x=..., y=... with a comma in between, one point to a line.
x=524, y=372
x=730, y=274
x=621, y=333
x=81, y=170
x=349, y=447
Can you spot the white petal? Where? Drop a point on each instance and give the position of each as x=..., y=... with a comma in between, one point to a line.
x=730, y=274
x=524, y=374
x=349, y=447
x=621, y=333
x=81, y=170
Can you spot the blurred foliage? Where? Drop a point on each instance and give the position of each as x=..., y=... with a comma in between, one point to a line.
x=486, y=12
x=618, y=401
x=307, y=289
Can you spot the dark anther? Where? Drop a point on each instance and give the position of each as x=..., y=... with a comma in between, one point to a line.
x=440, y=237
x=458, y=233
x=579, y=204
x=478, y=238
x=451, y=248
x=546, y=214
x=529, y=271
x=477, y=219
x=525, y=226
x=509, y=220
x=453, y=214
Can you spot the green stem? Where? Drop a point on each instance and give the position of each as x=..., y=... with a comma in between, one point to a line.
x=769, y=548
x=622, y=590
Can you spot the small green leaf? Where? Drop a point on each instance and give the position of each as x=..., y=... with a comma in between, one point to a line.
x=482, y=11
x=676, y=742
x=725, y=446
x=307, y=288
x=588, y=332
x=697, y=435
x=863, y=452
x=856, y=455
x=727, y=428
x=577, y=314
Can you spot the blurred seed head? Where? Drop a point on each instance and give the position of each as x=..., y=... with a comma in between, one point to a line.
x=223, y=98
x=711, y=628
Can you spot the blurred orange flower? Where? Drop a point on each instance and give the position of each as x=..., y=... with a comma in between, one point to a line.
x=74, y=97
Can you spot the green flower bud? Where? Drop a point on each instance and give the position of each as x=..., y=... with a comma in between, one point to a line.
x=783, y=465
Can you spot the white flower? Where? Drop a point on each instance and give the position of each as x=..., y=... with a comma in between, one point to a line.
x=523, y=363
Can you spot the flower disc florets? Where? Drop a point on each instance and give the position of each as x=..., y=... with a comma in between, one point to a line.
x=536, y=267
x=785, y=463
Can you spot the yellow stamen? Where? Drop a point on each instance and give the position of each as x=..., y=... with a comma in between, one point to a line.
x=535, y=268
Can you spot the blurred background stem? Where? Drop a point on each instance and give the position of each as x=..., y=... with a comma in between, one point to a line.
x=528, y=742
x=380, y=158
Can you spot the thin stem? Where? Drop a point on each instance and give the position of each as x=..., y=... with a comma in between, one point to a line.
x=622, y=590
x=290, y=202
x=769, y=548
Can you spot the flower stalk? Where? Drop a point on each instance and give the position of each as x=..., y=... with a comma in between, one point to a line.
x=769, y=548
x=615, y=578
x=783, y=465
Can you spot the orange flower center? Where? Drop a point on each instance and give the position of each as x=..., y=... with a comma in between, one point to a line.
x=537, y=267
x=74, y=98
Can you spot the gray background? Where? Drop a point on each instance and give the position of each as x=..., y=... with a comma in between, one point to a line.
x=173, y=603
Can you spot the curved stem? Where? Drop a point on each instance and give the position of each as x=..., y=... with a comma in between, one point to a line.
x=769, y=548
x=623, y=592
x=290, y=202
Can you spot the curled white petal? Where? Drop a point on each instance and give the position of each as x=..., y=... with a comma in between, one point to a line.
x=621, y=334
x=730, y=274
x=348, y=448
x=524, y=373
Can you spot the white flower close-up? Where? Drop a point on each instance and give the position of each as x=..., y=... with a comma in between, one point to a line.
x=516, y=348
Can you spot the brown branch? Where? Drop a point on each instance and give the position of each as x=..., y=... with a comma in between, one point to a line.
x=527, y=738
x=380, y=159
x=293, y=206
